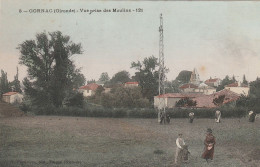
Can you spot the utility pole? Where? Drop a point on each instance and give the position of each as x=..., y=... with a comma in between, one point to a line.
x=161, y=107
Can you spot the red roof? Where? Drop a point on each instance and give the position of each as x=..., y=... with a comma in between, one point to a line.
x=10, y=93
x=236, y=85
x=207, y=100
x=132, y=83
x=92, y=86
x=189, y=85
x=212, y=80
x=179, y=95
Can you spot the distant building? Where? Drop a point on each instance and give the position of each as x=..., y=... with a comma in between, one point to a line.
x=171, y=99
x=213, y=82
x=188, y=88
x=202, y=100
x=238, y=88
x=12, y=97
x=195, y=78
x=88, y=90
x=131, y=84
x=201, y=88
x=206, y=101
x=205, y=89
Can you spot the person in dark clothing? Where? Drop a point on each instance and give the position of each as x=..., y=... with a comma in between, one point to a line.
x=252, y=116
x=185, y=154
x=209, y=143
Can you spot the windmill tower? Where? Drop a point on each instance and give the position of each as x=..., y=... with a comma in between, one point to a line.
x=161, y=108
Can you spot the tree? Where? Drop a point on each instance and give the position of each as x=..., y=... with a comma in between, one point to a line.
x=218, y=101
x=244, y=80
x=252, y=101
x=172, y=86
x=104, y=77
x=186, y=102
x=16, y=87
x=183, y=77
x=225, y=81
x=234, y=79
x=51, y=73
x=120, y=77
x=4, y=84
x=91, y=81
x=123, y=97
x=147, y=76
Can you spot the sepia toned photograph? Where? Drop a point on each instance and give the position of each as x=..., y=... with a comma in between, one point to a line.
x=129, y=83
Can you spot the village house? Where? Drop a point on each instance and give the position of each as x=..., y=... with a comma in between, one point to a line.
x=238, y=88
x=213, y=82
x=206, y=101
x=131, y=84
x=205, y=89
x=12, y=97
x=171, y=99
x=202, y=100
x=202, y=88
x=88, y=90
x=188, y=88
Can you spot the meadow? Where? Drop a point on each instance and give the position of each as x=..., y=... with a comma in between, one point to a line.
x=40, y=141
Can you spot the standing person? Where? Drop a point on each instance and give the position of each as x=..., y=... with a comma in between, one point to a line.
x=252, y=116
x=180, y=143
x=209, y=143
x=217, y=116
x=191, y=117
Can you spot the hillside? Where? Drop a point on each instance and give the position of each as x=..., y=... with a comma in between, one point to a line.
x=8, y=110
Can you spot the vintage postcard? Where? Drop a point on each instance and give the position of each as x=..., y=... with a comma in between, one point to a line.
x=129, y=83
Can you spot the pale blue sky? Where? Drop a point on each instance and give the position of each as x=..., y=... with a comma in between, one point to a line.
x=218, y=38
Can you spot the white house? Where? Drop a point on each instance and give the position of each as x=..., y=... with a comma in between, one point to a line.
x=12, y=97
x=238, y=88
x=205, y=89
x=169, y=100
x=213, y=82
x=88, y=90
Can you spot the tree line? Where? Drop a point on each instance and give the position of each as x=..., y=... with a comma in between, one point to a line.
x=7, y=86
x=52, y=78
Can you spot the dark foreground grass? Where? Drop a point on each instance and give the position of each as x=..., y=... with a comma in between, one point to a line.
x=76, y=141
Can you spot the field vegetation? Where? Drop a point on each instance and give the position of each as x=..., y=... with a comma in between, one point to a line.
x=40, y=141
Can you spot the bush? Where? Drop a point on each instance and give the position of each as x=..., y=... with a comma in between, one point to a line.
x=119, y=113
x=93, y=110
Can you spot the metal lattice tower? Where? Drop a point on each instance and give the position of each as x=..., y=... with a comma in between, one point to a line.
x=161, y=73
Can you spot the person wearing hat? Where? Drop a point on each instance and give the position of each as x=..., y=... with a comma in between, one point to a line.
x=180, y=143
x=209, y=143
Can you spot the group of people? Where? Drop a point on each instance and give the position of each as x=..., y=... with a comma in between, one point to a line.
x=217, y=116
x=252, y=116
x=182, y=151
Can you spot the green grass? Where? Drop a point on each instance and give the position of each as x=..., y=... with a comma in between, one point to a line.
x=77, y=141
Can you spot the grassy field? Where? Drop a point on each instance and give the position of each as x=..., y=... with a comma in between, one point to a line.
x=40, y=141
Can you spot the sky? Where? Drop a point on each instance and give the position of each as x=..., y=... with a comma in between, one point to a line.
x=217, y=38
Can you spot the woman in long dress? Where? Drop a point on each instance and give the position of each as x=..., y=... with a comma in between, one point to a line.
x=209, y=143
